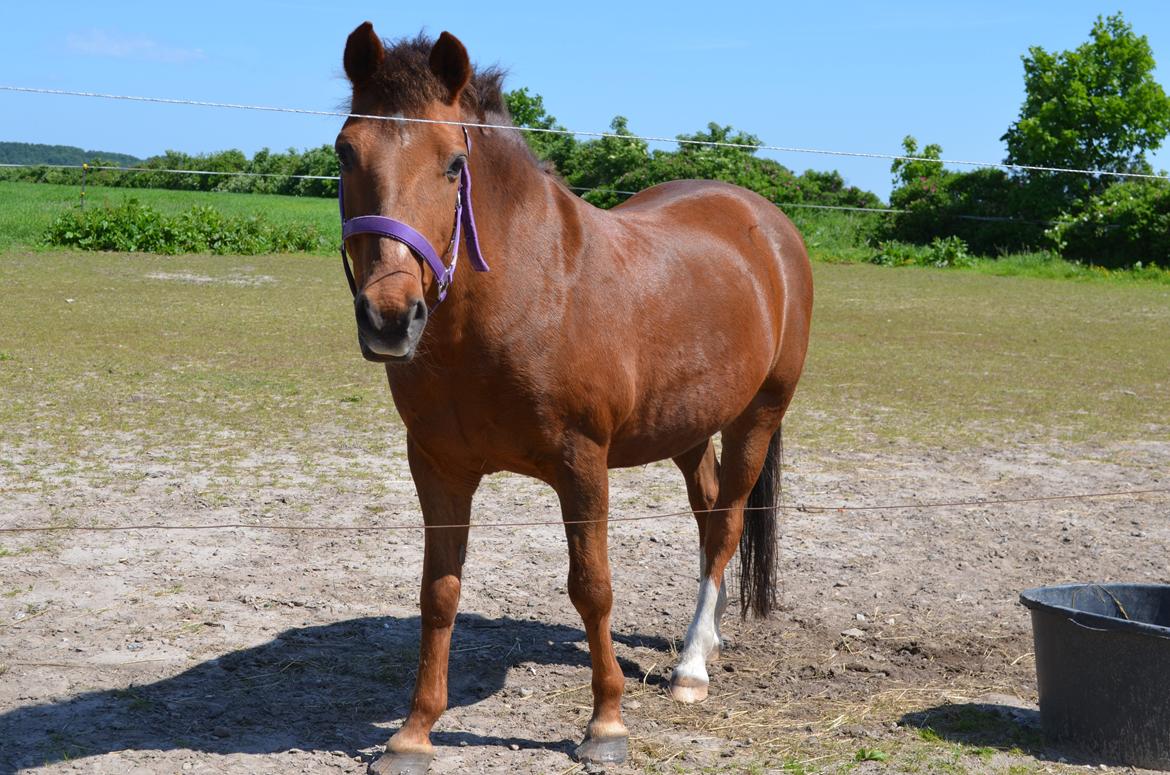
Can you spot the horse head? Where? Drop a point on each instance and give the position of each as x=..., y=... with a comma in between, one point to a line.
x=402, y=183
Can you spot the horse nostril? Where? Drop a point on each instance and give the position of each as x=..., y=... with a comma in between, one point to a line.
x=367, y=312
x=412, y=319
x=420, y=312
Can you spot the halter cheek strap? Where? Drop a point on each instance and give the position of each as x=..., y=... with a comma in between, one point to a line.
x=384, y=226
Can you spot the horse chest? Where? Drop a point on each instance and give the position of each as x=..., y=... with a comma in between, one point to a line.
x=480, y=425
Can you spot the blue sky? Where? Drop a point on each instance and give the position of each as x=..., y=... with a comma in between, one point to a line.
x=840, y=75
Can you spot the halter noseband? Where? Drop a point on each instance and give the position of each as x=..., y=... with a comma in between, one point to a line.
x=384, y=226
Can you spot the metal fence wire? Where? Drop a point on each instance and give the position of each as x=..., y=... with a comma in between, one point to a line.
x=804, y=507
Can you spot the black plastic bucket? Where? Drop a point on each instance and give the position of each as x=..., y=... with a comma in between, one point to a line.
x=1103, y=669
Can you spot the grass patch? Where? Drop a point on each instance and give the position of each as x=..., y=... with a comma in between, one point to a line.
x=929, y=735
x=952, y=358
x=193, y=357
x=1050, y=266
x=20, y=551
x=870, y=755
x=977, y=731
x=135, y=701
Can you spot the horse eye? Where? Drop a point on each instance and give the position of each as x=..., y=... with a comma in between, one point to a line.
x=456, y=166
x=344, y=153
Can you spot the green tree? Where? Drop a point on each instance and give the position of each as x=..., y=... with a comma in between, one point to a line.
x=923, y=169
x=1097, y=106
x=624, y=163
x=719, y=155
x=988, y=209
x=528, y=110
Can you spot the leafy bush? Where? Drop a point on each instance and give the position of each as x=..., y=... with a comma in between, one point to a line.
x=134, y=227
x=942, y=252
x=1126, y=225
x=996, y=213
x=835, y=236
x=627, y=165
x=991, y=211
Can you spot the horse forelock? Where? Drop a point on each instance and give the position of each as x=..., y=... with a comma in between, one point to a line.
x=404, y=83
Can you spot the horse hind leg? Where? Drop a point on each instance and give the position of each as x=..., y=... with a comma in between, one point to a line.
x=703, y=642
x=749, y=444
x=700, y=470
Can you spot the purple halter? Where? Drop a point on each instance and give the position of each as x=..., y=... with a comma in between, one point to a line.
x=397, y=230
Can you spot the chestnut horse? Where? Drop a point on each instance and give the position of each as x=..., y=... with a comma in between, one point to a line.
x=598, y=339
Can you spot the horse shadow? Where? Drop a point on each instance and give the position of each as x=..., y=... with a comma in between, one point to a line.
x=333, y=687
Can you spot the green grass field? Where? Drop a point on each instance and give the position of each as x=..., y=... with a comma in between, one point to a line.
x=261, y=344
x=194, y=355
x=264, y=343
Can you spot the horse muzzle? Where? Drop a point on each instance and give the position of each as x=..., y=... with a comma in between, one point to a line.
x=389, y=338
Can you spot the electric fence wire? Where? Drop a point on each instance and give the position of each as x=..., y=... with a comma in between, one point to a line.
x=580, y=133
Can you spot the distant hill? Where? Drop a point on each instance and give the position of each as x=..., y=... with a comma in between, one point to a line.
x=37, y=153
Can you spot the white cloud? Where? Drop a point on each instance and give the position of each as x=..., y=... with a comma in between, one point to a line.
x=104, y=43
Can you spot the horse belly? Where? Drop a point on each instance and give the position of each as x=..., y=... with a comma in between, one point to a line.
x=694, y=383
x=666, y=425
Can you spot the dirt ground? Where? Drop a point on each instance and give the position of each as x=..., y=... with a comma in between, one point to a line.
x=900, y=645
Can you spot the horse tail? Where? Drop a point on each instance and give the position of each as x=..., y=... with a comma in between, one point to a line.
x=758, y=543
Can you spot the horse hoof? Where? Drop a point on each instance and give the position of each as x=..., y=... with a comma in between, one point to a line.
x=687, y=690
x=603, y=750
x=405, y=763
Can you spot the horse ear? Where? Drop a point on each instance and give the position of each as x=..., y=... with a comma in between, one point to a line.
x=363, y=53
x=450, y=64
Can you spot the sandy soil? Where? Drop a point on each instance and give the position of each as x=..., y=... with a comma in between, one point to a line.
x=246, y=651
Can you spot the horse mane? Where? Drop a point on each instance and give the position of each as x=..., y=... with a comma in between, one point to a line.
x=404, y=82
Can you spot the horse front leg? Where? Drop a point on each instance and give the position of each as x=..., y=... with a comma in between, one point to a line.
x=446, y=506
x=583, y=489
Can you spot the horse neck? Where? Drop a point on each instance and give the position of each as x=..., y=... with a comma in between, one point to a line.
x=524, y=218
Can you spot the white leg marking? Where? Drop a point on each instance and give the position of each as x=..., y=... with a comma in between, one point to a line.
x=720, y=607
x=720, y=604
x=689, y=680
